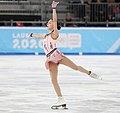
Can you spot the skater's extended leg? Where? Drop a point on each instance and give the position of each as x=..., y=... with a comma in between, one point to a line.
x=66, y=61
x=53, y=69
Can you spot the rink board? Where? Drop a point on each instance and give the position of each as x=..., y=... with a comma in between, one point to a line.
x=71, y=40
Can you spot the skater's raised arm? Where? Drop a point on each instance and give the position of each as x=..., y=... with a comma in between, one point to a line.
x=36, y=35
x=55, y=33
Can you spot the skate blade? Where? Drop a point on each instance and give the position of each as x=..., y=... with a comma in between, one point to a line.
x=97, y=78
x=60, y=107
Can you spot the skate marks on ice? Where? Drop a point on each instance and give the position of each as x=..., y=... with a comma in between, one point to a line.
x=25, y=85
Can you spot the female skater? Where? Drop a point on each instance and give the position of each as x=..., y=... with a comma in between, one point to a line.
x=55, y=57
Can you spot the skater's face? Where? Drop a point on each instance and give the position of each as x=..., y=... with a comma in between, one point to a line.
x=50, y=25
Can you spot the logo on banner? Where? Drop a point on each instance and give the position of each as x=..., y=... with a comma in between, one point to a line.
x=20, y=41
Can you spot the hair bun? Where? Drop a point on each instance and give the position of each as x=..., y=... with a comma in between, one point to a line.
x=58, y=27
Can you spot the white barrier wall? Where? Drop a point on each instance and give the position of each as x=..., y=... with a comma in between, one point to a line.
x=71, y=40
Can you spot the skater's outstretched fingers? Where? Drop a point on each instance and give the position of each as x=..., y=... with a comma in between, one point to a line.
x=54, y=4
x=30, y=35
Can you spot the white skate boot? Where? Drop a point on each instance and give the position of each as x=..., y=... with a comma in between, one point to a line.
x=95, y=76
x=60, y=104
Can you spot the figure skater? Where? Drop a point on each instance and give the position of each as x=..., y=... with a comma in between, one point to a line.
x=56, y=57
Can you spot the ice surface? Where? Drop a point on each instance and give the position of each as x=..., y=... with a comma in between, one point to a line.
x=25, y=85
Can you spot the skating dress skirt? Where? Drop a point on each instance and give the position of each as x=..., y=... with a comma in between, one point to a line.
x=51, y=52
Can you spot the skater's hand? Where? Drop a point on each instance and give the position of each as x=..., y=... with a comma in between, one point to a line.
x=54, y=4
x=29, y=36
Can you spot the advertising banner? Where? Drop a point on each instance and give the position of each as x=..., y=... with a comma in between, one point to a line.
x=13, y=40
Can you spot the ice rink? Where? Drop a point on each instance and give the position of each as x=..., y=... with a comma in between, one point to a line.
x=25, y=85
